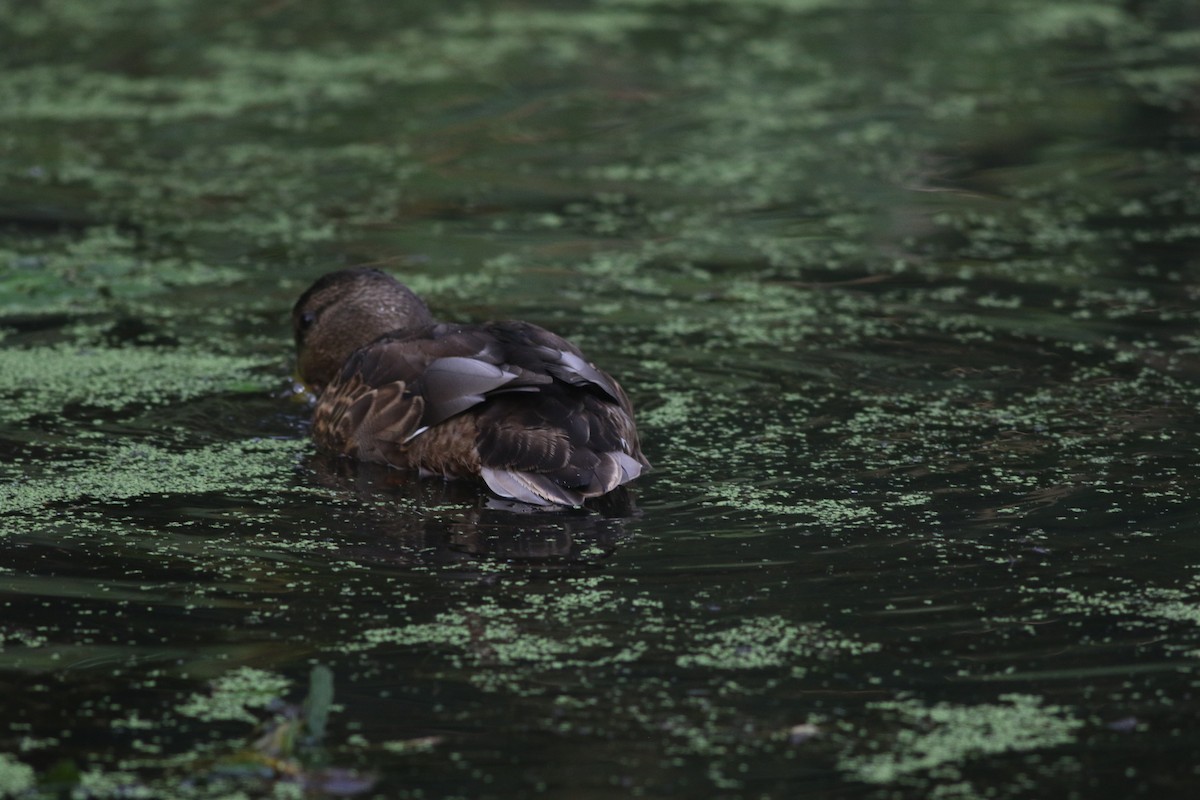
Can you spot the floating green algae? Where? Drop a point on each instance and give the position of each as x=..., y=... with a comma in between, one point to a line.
x=940, y=740
x=1071, y=19
x=139, y=470
x=283, y=757
x=234, y=694
x=51, y=380
x=501, y=647
x=781, y=501
x=904, y=297
x=102, y=269
x=528, y=649
x=410, y=746
x=773, y=641
x=15, y=778
x=1132, y=609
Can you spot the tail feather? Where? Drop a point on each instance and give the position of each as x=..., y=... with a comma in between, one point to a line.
x=529, y=487
x=611, y=470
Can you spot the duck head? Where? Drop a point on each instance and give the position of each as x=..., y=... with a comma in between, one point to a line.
x=345, y=310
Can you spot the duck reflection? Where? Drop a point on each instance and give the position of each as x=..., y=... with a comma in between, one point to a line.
x=401, y=518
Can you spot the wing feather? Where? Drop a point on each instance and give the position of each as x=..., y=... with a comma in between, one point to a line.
x=529, y=487
x=539, y=423
x=455, y=383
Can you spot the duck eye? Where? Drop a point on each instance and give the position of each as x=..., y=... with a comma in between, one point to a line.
x=303, y=323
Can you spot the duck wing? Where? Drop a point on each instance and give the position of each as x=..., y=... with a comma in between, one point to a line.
x=545, y=426
x=574, y=439
x=394, y=389
x=562, y=448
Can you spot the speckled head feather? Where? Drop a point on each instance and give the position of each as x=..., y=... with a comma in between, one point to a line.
x=507, y=402
x=345, y=310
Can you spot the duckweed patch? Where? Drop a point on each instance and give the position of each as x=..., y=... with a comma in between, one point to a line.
x=104, y=268
x=940, y=740
x=529, y=648
x=252, y=467
x=907, y=304
x=15, y=778
x=771, y=503
x=1165, y=611
x=764, y=642
x=234, y=695
x=54, y=380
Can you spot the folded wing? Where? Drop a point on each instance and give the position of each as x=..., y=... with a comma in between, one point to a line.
x=511, y=402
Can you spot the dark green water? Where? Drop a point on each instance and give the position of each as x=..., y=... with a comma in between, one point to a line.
x=906, y=295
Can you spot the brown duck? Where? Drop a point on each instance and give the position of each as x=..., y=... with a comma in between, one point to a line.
x=509, y=402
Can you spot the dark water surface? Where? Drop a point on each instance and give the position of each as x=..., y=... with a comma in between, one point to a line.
x=906, y=295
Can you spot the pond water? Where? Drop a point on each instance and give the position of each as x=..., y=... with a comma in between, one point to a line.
x=906, y=296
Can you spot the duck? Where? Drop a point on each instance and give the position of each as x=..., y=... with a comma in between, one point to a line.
x=508, y=403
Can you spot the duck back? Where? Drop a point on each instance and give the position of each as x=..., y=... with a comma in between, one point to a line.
x=509, y=402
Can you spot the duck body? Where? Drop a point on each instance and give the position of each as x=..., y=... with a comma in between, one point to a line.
x=507, y=402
